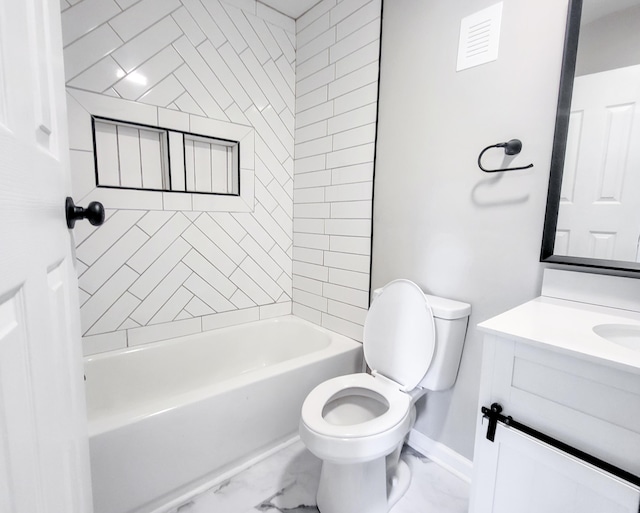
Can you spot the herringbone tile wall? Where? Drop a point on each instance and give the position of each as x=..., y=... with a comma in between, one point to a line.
x=153, y=273
x=166, y=265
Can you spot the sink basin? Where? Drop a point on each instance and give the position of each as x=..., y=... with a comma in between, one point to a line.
x=627, y=335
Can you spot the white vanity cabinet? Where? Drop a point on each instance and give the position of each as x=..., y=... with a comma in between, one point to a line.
x=593, y=408
x=545, y=366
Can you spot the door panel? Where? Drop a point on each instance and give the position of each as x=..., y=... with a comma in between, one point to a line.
x=44, y=465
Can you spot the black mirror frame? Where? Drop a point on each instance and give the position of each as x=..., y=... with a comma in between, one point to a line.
x=559, y=150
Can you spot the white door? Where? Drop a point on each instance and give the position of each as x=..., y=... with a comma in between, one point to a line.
x=599, y=215
x=44, y=462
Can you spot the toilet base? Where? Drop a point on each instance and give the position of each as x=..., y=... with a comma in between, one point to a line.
x=361, y=487
x=399, y=483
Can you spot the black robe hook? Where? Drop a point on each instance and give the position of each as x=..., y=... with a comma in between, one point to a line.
x=512, y=147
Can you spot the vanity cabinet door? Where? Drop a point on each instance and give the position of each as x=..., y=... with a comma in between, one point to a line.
x=522, y=475
x=589, y=406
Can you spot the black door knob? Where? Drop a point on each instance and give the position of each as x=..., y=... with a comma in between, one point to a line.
x=94, y=213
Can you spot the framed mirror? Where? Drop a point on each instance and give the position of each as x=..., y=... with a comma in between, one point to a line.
x=593, y=205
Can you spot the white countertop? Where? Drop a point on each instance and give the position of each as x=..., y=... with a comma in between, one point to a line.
x=567, y=327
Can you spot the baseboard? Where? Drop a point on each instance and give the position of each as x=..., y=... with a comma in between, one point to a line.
x=441, y=454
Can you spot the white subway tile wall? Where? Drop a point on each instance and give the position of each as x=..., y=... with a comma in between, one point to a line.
x=309, y=90
x=162, y=270
x=336, y=108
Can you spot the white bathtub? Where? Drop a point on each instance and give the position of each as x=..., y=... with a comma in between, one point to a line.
x=168, y=418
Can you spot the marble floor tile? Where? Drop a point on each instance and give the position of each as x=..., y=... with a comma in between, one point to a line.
x=287, y=481
x=433, y=488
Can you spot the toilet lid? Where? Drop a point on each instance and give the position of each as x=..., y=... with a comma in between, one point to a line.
x=399, y=334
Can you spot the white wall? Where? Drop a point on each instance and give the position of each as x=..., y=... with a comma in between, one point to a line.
x=438, y=220
x=170, y=264
x=610, y=42
x=336, y=105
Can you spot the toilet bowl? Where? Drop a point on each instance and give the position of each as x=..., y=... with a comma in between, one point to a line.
x=355, y=418
x=357, y=424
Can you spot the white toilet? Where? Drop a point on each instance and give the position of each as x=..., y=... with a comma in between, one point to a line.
x=357, y=424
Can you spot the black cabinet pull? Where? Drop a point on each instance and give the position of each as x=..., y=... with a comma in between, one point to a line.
x=94, y=213
x=494, y=414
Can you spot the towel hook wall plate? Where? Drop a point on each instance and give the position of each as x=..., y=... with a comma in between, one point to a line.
x=512, y=147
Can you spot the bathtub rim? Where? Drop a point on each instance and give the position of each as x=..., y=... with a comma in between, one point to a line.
x=201, y=334
x=338, y=344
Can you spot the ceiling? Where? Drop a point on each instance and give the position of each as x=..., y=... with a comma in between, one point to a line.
x=292, y=8
x=595, y=9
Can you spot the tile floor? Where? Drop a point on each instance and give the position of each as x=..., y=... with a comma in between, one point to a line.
x=287, y=482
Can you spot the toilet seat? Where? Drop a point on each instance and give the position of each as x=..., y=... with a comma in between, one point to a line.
x=362, y=442
x=397, y=401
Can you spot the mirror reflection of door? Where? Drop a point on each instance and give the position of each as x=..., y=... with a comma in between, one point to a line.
x=600, y=201
x=599, y=215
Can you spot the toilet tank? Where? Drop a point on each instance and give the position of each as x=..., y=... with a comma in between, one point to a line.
x=451, y=319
